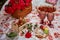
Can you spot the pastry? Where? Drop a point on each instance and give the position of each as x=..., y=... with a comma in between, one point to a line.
x=53, y=2
x=49, y=9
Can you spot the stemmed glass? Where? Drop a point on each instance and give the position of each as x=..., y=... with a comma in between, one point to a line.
x=42, y=15
x=50, y=17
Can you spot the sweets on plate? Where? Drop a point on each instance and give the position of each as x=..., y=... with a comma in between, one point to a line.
x=28, y=28
x=53, y=2
x=41, y=32
x=49, y=9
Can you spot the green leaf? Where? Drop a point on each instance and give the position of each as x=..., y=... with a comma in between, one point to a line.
x=29, y=26
x=46, y=31
x=35, y=26
x=12, y=35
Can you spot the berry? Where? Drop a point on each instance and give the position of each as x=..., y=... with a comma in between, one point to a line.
x=28, y=35
x=11, y=1
x=42, y=27
x=22, y=4
x=18, y=7
x=14, y=7
x=9, y=10
x=28, y=1
x=27, y=4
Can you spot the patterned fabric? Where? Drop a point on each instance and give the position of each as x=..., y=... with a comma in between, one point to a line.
x=54, y=33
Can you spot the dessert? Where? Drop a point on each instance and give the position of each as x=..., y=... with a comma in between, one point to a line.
x=15, y=27
x=28, y=28
x=49, y=9
x=18, y=8
x=53, y=2
x=25, y=30
x=42, y=32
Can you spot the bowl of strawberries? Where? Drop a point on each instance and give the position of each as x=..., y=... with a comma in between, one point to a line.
x=18, y=8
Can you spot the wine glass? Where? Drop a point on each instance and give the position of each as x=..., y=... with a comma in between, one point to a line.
x=50, y=17
x=42, y=15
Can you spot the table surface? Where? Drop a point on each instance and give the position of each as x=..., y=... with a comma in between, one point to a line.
x=32, y=17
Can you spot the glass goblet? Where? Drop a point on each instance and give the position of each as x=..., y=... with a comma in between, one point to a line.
x=42, y=16
x=50, y=17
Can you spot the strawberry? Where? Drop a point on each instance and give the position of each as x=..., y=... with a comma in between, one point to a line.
x=18, y=6
x=28, y=1
x=28, y=35
x=12, y=1
x=9, y=10
x=22, y=4
x=6, y=8
x=42, y=27
x=14, y=6
x=27, y=4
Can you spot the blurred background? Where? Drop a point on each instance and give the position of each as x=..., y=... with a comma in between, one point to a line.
x=2, y=3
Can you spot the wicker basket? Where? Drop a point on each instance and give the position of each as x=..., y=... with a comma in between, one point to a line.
x=22, y=14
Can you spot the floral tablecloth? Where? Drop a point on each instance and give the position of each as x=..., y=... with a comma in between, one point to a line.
x=54, y=33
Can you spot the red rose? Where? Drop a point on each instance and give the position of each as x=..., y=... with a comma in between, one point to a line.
x=42, y=27
x=28, y=35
